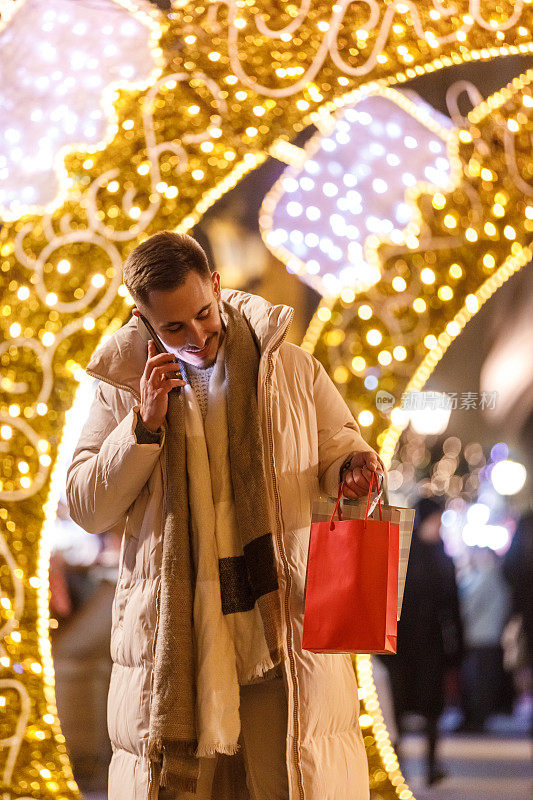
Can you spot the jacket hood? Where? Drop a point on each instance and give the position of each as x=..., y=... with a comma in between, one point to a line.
x=121, y=359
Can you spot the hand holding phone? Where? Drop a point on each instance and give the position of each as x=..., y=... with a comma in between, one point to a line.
x=157, y=380
x=162, y=374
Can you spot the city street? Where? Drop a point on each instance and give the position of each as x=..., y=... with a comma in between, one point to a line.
x=478, y=767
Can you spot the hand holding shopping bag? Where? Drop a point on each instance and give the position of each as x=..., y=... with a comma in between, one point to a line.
x=351, y=592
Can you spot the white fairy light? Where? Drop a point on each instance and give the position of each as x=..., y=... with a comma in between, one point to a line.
x=379, y=185
x=312, y=213
x=294, y=209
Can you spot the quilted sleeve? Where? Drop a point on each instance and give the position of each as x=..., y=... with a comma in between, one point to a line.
x=109, y=466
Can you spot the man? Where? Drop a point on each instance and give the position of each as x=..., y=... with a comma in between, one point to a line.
x=211, y=694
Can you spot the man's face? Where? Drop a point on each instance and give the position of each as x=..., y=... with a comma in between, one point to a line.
x=187, y=318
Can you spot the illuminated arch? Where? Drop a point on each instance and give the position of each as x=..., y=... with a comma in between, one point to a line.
x=159, y=170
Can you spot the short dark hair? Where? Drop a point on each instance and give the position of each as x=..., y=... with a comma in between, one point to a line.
x=161, y=262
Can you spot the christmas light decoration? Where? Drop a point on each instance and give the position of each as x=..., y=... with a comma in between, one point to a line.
x=57, y=80
x=461, y=246
x=350, y=183
x=246, y=78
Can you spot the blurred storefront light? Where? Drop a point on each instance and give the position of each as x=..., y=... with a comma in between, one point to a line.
x=431, y=420
x=508, y=477
x=494, y=536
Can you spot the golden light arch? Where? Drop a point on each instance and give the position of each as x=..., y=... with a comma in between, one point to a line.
x=245, y=76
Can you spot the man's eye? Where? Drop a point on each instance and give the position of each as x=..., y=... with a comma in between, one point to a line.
x=203, y=315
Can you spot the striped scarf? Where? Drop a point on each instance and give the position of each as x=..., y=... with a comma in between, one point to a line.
x=248, y=579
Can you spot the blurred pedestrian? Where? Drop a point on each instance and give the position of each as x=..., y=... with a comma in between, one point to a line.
x=485, y=608
x=429, y=631
x=518, y=570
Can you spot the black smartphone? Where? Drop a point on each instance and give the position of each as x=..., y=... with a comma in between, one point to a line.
x=148, y=334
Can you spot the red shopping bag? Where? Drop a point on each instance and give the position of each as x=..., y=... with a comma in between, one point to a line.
x=351, y=585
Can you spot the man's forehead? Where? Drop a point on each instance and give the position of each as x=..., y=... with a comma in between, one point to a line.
x=182, y=303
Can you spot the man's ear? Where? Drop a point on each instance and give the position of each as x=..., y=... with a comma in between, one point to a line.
x=215, y=279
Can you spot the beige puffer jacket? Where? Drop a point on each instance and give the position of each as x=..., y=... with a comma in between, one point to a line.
x=308, y=432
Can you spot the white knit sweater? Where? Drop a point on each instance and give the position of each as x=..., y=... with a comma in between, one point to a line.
x=199, y=380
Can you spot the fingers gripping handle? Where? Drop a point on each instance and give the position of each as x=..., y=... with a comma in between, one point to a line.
x=337, y=510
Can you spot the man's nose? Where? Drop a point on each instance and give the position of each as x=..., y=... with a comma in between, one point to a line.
x=196, y=337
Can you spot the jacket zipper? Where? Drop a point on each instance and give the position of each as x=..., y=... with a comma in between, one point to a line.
x=296, y=737
x=153, y=788
x=113, y=383
x=268, y=383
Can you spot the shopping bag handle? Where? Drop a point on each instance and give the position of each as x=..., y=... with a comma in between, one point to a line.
x=337, y=510
x=368, y=498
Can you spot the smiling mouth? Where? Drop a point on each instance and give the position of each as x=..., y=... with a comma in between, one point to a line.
x=200, y=352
